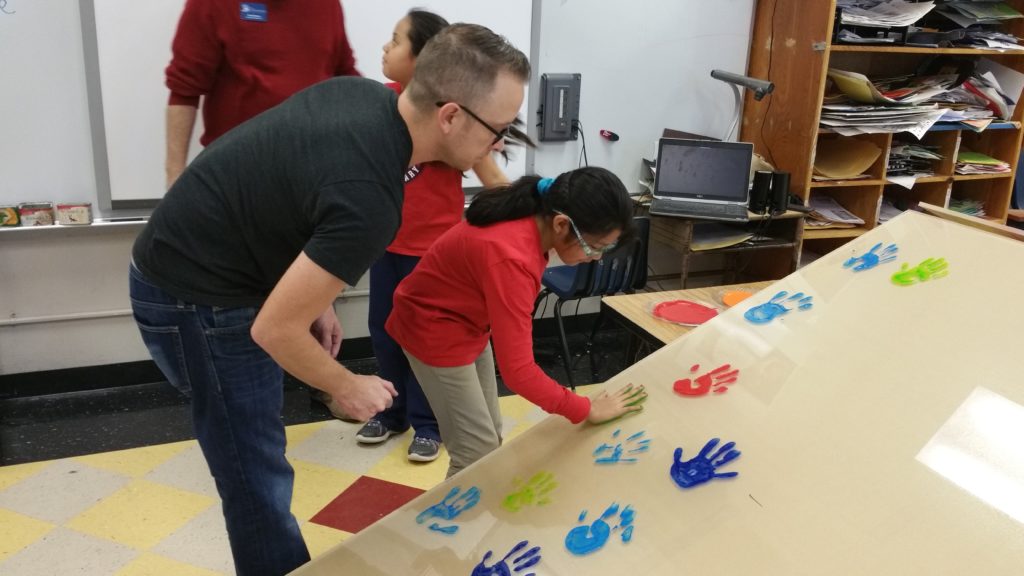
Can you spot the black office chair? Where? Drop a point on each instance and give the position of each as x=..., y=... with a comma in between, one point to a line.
x=624, y=269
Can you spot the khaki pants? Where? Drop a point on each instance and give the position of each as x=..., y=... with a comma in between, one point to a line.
x=465, y=402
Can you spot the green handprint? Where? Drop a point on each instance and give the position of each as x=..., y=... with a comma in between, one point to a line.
x=535, y=491
x=928, y=269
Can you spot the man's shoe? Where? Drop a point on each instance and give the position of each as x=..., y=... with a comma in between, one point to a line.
x=424, y=449
x=374, y=432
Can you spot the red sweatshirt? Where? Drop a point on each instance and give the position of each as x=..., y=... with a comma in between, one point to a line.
x=434, y=202
x=243, y=66
x=479, y=283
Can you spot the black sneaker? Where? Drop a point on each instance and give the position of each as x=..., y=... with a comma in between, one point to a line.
x=374, y=432
x=424, y=449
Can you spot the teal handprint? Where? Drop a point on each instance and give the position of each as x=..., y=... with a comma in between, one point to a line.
x=449, y=508
x=870, y=259
x=588, y=538
x=765, y=313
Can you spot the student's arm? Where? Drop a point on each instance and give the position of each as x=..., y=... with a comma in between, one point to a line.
x=488, y=172
x=180, y=121
x=282, y=328
x=510, y=290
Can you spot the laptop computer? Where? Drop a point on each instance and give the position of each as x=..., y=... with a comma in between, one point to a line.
x=702, y=179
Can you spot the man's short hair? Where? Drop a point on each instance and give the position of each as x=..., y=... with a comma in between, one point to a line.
x=460, y=64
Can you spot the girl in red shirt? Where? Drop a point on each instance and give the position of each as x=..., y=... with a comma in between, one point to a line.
x=434, y=202
x=477, y=284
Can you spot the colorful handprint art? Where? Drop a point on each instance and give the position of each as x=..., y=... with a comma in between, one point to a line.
x=872, y=258
x=717, y=381
x=449, y=508
x=609, y=454
x=928, y=269
x=535, y=492
x=508, y=566
x=765, y=313
x=587, y=538
x=703, y=467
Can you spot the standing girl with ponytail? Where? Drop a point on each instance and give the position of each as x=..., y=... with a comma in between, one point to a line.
x=477, y=284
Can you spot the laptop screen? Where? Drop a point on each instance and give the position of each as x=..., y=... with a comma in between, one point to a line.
x=703, y=170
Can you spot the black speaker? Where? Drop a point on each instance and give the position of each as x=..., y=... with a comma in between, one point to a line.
x=780, y=191
x=759, y=193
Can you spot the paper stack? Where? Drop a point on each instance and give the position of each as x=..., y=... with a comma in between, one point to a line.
x=827, y=213
x=967, y=206
x=968, y=162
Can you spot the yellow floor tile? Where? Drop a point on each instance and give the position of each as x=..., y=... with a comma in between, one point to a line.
x=315, y=487
x=395, y=467
x=519, y=428
x=299, y=432
x=320, y=539
x=11, y=475
x=141, y=514
x=136, y=462
x=515, y=407
x=18, y=531
x=154, y=565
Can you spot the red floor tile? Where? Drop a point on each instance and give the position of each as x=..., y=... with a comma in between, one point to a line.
x=363, y=503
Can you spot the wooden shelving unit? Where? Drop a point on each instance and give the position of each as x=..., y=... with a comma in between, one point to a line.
x=791, y=46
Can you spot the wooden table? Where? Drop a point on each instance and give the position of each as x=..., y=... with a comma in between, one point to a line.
x=774, y=256
x=632, y=311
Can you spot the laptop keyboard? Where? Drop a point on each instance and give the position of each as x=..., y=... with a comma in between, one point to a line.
x=697, y=210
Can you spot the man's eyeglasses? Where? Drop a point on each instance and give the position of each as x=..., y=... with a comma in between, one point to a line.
x=587, y=248
x=498, y=134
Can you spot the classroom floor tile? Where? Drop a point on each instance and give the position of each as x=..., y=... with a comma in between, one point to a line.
x=154, y=509
x=363, y=503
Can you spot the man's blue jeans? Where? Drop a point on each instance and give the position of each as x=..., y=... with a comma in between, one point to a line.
x=207, y=353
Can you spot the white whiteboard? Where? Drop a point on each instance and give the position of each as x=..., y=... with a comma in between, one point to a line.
x=133, y=49
x=45, y=149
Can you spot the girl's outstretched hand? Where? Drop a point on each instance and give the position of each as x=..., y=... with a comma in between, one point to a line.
x=606, y=407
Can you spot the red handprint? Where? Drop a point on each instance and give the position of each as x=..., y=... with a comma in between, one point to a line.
x=717, y=381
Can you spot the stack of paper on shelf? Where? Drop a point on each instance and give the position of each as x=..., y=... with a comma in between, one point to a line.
x=968, y=162
x=890, y=13
x=887, y=211
x=967, y=206
x=971, y=13
x=827, y=213
x=909, y=161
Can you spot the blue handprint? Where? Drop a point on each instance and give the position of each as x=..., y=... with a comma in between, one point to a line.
x=871, y=259
x=765, y=313
x=524, y=561
x=702, y=468
x=587, y=538
x=642, y=445
x=446, y=510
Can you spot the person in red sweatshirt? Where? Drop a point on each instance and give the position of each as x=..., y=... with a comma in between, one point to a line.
x=477, y=284
x=434, y=202
x=243, y=58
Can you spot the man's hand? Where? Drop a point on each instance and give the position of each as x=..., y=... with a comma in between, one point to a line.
x=327, y=330
x=363, y=397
